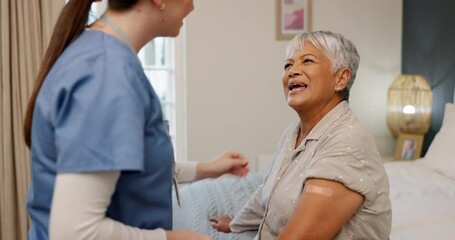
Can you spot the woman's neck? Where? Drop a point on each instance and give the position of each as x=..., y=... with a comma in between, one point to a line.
x=134, y=24
x=303, y=132
x=308, y=121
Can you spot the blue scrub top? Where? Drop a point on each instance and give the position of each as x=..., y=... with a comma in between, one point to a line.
x=97, y=111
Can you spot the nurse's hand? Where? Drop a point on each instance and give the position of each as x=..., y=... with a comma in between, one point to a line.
x=185, y=235
x=227, y=162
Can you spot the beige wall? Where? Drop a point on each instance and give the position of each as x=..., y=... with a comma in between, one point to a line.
x=234, y=67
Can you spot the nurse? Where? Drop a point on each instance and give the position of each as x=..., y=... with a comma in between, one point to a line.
x=102, y=161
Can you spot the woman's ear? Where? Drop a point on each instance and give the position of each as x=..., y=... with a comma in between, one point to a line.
x=342, y=79
x=159, y=4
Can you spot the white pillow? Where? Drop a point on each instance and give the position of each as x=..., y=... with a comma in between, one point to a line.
x=441, y=153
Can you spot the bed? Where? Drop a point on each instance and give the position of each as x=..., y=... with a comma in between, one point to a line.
x=423, y=191
x=422, y=194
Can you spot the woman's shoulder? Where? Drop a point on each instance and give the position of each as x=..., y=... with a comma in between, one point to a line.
x=350, y=127
x=351, y=136
x=96, y=55
x=98, y=47
x=95, y=62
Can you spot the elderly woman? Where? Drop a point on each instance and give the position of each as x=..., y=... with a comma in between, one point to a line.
x=327, y=180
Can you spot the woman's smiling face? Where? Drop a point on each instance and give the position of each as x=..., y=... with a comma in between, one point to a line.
x=308, y=81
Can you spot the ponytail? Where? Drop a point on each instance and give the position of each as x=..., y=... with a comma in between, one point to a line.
x=70, y=24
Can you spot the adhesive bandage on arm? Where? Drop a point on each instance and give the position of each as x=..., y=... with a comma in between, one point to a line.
x=324, y=191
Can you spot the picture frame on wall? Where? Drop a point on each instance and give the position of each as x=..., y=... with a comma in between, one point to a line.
x=292, y=17
x=409, y=146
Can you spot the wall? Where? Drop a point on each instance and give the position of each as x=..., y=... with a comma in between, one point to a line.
x=234, y=64
x=428, y=37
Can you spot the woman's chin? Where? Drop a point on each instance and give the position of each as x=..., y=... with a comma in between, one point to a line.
x=294, y=105
x=171, y=32
x=295, y=101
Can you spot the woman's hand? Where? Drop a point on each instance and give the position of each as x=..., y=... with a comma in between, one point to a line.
x=221, y=223
x=227, y=162
x=185, y=235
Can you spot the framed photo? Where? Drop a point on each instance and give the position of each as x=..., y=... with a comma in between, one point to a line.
x=292, y=17
x=409, y=146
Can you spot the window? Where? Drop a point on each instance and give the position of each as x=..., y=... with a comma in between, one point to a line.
x=158, y=63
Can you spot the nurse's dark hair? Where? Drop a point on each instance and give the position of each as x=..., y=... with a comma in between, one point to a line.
x=70, y=24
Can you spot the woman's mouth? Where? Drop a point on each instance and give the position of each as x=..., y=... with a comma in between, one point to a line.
x=297, y=87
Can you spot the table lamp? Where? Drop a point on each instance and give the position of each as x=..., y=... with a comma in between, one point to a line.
x=409, y=104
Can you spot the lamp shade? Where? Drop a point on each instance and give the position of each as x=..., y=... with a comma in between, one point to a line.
x=409, y=102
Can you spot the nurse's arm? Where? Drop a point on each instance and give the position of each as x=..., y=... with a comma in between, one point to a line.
x=226, y=163
x=79, y=208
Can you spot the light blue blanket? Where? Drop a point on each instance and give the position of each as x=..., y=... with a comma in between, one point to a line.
x=203, y=199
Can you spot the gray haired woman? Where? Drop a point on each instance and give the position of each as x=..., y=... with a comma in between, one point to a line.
x=327, y=180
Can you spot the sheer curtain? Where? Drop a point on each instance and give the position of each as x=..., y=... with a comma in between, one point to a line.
x=25, y=30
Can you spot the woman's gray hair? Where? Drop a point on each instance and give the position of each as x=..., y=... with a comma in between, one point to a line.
x=341, y=52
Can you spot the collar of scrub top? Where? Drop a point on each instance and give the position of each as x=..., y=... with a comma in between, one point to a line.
x=119, y=31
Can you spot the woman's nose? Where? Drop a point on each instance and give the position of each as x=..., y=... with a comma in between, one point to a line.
x=293, y=72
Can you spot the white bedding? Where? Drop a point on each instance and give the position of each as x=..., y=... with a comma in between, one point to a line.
x=423, y=202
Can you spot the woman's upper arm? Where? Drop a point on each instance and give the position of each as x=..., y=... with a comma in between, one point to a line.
x=324, y=207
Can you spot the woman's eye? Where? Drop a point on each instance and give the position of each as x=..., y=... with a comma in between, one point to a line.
x=307, y=60
x=287, y=65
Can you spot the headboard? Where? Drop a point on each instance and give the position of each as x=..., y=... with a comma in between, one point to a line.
x=442, y=93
